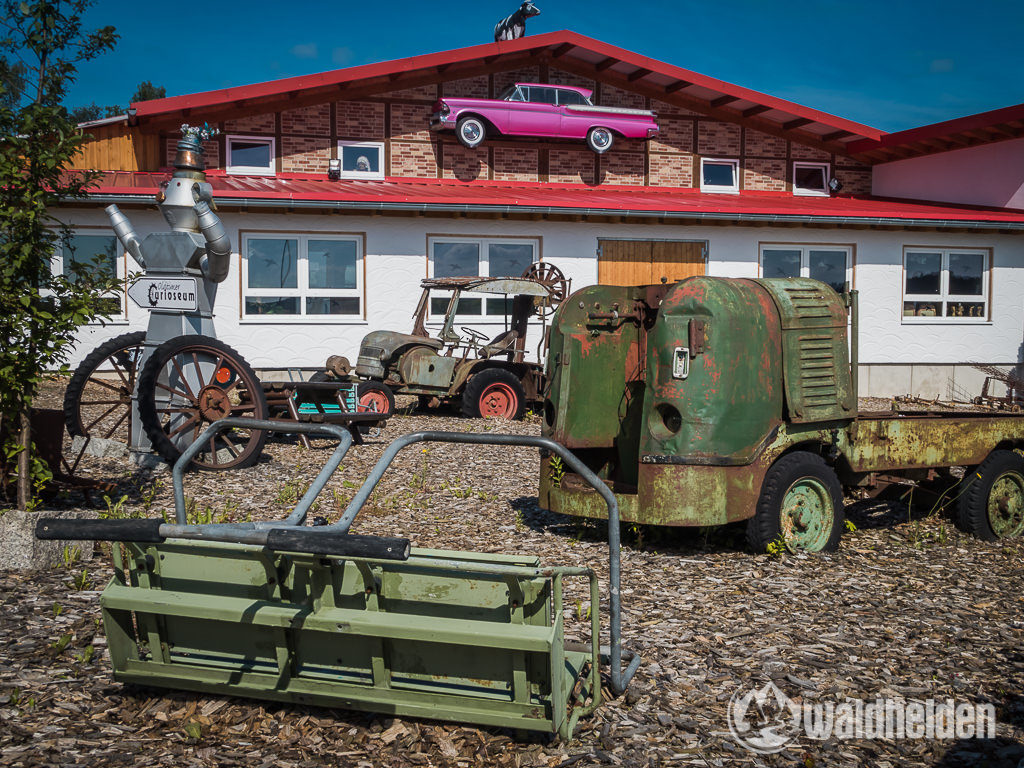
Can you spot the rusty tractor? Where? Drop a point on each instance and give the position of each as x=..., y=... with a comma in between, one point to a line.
x=490, y=378
x=717, y=400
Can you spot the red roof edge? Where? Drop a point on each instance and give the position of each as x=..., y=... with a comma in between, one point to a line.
x=559, y=38
x=940, y=130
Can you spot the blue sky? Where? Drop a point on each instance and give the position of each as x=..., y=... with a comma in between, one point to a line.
x=892, y=64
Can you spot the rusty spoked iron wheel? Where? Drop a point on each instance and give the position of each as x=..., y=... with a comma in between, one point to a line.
x=553, y=279
x=98, y=398
x=191, y=381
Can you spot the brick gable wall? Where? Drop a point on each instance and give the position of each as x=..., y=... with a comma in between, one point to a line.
x=307, y=139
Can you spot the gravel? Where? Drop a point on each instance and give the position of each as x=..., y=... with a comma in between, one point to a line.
x=908, y=608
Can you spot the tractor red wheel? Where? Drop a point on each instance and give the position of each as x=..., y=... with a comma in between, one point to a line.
x=191, y=381
x=375, y=397
x=494, y=393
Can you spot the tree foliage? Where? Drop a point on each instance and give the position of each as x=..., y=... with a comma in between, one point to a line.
x=40, y=310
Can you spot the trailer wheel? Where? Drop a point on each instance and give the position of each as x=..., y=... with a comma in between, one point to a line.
x=801, y=506
x=191, y=381
x=992, y=506
x=375, y=397
x=494, y=393
x=97, y=405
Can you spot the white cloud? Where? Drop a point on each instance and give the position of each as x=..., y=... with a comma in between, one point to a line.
x=305, y=51
x=341, y=56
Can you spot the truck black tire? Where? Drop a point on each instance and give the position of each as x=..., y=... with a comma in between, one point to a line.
x=123, y=352
x=992, y=505
x=800, y=506
x=231, y=388
x=494, y=393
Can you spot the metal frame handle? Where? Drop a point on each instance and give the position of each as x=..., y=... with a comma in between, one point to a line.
x=619, y=678
x=297, y=515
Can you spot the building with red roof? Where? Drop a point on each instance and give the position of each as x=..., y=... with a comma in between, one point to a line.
x=927, y=224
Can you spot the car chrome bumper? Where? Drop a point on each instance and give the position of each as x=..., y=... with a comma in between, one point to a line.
x=439, y=122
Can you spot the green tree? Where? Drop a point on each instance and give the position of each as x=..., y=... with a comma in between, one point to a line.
x=40, y=311
x=147, y=91
x=94, y=111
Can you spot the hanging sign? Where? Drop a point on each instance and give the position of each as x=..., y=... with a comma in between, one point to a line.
x=166, y=293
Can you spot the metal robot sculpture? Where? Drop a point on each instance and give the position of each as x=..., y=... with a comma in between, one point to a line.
x=187, y=378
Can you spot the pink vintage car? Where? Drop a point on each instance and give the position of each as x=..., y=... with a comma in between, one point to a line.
x=535, y=109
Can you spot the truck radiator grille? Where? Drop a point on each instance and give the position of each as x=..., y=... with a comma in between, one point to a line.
x=808, y=304
x=374, y=352
x=818, y=370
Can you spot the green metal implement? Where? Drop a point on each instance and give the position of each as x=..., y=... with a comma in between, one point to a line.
x=317, y=615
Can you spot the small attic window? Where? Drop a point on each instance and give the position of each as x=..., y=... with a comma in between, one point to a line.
x=719, y=175
x=361, y=159
x=810, y=179
x=251, y=155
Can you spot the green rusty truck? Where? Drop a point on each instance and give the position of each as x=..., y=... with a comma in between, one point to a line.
x=716, y=400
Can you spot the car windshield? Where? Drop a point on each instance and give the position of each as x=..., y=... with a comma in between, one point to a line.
x=511, y=94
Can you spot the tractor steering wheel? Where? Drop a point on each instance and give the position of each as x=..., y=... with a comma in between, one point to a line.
x=474, y=334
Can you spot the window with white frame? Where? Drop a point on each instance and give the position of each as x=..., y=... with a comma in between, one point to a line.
x=307, y=277
x=497, y=257
x=361, y=159
x=945, y=284
x=719, y=175
x=828, y=263
x=91, y=250
x=251, y=155
x=810, y=179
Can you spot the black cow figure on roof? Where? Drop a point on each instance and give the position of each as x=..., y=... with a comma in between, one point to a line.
x=513, y=27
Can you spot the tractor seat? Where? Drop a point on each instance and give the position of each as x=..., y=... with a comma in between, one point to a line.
x=499, y=344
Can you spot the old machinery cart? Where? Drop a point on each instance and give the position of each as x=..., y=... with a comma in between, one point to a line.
x=318, y=615
x=715, y=400
x=489, y=377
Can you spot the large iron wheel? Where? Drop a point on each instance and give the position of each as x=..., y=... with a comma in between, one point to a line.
x=191, y=381
x=553, y=279
x=98, y=399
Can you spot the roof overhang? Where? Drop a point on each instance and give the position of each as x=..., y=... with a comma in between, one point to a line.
x=565, y=50
x=970, y=131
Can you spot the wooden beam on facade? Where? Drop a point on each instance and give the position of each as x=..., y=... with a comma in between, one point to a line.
x=721, y=101
x=836, y=135
x=755, y=110
x=604, y=64
x=800, y=122
x=678, y=85
x=561, y=50
x=639, y=74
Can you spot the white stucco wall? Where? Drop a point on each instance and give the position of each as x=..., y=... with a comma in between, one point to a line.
x=991, y=174
x=396, y=262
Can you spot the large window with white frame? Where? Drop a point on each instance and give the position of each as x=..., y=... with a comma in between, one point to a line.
x=487, y=257
x=302, y=277
x=361, y=159
x=810, y=179
x=831, y=264
x=946, y=284
x=719, y=175
x=251, y=155
x=92, y=250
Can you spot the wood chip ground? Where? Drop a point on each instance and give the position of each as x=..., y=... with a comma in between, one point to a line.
x=908, y=608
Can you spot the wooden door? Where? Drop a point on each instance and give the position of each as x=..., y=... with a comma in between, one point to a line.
x=646, y=262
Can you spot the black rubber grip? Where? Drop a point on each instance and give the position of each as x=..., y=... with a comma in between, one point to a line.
x=100, y=530
x=321, y=542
